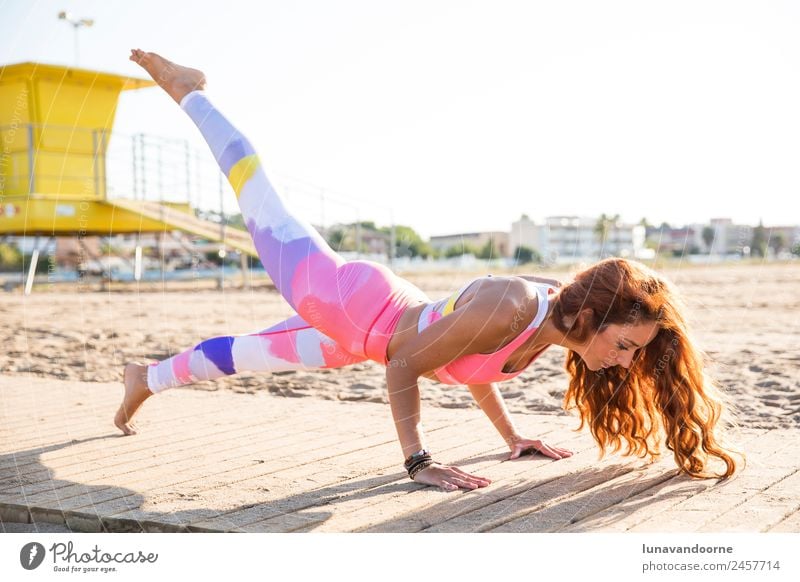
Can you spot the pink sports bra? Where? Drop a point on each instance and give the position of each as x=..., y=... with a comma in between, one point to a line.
x=483, y=368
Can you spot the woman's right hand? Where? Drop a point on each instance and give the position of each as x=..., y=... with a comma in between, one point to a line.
x=449, y=478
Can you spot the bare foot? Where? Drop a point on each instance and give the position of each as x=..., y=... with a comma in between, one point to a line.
x=176, y=80
x=136, y=392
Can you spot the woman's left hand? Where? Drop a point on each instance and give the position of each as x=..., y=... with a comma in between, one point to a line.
x=520, y=445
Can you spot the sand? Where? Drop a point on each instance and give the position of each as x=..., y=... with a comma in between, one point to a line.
x=744, y=316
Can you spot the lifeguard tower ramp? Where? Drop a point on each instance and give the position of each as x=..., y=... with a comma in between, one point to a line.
x=55, y=130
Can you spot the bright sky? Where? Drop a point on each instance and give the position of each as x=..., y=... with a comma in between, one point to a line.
x=462, y=115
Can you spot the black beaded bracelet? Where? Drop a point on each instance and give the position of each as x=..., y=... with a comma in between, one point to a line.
x=416, y=462
x=419, y=467
x=421, y=454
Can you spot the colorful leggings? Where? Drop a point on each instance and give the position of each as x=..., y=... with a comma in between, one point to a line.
x=346, y=310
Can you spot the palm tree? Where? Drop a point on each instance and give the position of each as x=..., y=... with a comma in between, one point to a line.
x=601, y=230
x=758, y=245
x=708, y=237
x=602, y=227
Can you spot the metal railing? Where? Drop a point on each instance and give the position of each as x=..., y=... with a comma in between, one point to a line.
x=97, y=163
x=49, y=158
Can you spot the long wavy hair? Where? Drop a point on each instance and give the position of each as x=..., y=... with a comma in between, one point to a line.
x=666, y=395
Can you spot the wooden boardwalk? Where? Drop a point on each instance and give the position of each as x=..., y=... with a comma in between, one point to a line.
x=221, y=461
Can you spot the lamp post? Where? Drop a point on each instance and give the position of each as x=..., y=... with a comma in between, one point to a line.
x=76, y=24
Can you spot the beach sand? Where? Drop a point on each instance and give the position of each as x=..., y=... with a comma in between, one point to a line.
x=745, y=317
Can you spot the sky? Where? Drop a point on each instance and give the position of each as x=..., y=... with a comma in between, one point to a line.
x=458, y=116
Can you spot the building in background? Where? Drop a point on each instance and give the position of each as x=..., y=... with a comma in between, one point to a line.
x=676, y=241
x=721, y=238
x=729, y=238
x=566, y=239
x=346, y=238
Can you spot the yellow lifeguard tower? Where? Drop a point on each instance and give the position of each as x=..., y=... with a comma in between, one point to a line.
x=55, y=126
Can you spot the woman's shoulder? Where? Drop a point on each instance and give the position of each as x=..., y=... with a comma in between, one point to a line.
x=498, y=294
x=545, y=280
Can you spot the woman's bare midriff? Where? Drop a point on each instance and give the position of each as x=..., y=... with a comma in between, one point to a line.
x=407, y=329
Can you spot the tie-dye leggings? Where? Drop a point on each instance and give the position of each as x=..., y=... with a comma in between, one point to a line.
x=346, y=310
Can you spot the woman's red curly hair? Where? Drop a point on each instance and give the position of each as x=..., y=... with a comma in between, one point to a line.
x=665, y=395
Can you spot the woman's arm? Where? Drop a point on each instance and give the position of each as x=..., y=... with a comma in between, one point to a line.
x=404, y=402
x=479, y=326
x=491, y=402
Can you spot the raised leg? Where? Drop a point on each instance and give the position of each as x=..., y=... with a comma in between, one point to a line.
x=298, y=260
x=342, y=299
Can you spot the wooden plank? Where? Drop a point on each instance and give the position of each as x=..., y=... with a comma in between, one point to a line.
x=250, y=400
x=649, y=503
x=172, y=431
x=380, y=504
x=766, y=465
x=172, y=465
x=230, y=466
x=124, y=451
x=352, y=429
x=761, y=511
x=789, y=524
x=123, y=463
x=95, y=430
x=450, y=443
x=423, y=506
x=152, y=436
x=150, y=416
x=220, y=466
x=77, y=451
x=305, y=472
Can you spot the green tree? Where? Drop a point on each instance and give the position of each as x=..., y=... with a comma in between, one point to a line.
x=601, y=229
x=462, y=249
x=235, y=221
x=777, y=242
x=524, y=255
x=10, y=258
x=488, y=251
x=213, y=257
x=758, y=245
x=42, y=263
x=408, y=243
x=708, y=237
x=336, y=238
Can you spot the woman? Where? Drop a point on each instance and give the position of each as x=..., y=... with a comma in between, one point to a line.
x=635, y=375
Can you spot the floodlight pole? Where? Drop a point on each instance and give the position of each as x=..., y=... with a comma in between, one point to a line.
x=76, y=24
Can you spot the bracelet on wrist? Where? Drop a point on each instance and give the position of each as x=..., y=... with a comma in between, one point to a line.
x=413, y=458
x=417, y=461
x=419, y=467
